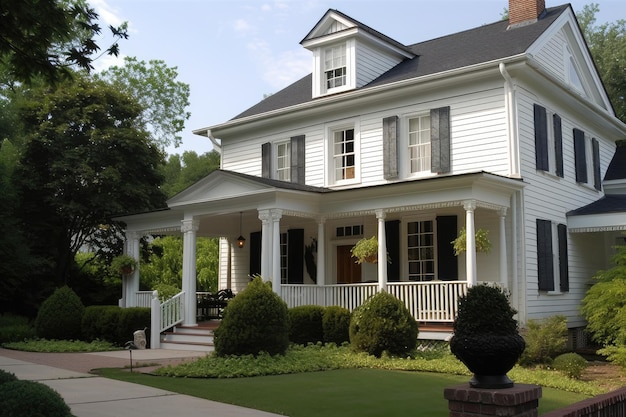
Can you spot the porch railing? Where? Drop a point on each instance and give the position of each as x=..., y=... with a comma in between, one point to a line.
x=172, y=311
x=433, y=301
x=143, y=298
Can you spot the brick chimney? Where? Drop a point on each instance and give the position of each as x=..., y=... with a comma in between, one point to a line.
x=524, y=12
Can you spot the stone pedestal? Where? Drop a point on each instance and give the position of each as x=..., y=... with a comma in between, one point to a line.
x=521, y=400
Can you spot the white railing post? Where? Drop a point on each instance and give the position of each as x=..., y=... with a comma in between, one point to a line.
x=155, y=321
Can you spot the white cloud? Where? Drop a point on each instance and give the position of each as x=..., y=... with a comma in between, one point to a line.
x=107, y=14
x=241, y=26
x=106, y=61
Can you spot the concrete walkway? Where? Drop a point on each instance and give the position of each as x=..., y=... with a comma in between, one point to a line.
x=92, y=396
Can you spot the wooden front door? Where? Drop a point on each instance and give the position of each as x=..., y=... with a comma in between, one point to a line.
x=348, y=271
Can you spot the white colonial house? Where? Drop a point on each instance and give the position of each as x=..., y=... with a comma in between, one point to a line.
x=506, y=127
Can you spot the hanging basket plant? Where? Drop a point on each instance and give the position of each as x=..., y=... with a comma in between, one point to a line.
x=481, y=238
x=123, y=264
x=366, y=250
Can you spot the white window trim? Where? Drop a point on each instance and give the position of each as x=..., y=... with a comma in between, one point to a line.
x=319, y=76
x=404, y=163
x=275, y=171
x=570, y=65
x=551, y=145
x=330, y=165
x=404, y=247
x=555, y=261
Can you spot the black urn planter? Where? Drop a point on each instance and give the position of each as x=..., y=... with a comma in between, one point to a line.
x=489, y=357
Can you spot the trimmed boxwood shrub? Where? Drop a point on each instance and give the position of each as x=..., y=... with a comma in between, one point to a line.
x=31, y=399
x=255, y=321
x=305, y=324
x=101, y=322
x=336, y=325
x=133, y=319
x=60, y=316
x=6, y=377
x=383, y=324
x=571, y=364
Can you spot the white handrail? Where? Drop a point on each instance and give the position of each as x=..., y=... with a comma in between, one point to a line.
x=172, y=311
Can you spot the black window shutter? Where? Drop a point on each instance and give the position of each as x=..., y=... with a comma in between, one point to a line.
x=563, y=268
x=558, y=144
x=255, y=254
x=295, y=256
x=580, y=158
x=390, y=147
x=266, y=160
x=297, y=159
x=545, y=266
x=440, y=140
x=392, y=233
x=541, y=138
x=447, y=262
x=597, y=181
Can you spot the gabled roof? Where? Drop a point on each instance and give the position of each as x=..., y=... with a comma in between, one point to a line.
x=482, y=44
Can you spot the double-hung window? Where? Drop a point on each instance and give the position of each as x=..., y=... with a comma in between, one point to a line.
x=344, y=155
x=335, y=66
x=587, y=160
x=421, y=250
x=419, y=144
x=552, y=260
x=548, y=141
x=283, y=161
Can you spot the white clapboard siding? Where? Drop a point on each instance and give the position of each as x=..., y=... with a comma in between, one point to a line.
x=371, y=63
x=551, y=57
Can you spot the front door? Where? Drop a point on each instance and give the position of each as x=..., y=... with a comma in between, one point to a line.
x=348, y=271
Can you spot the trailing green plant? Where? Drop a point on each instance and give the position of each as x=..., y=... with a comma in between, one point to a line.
x=305, y=324
x=545, y=340
x=123, y=264
x=6, y=377
x=60, y=315
x=336, y=325
x=383, y=324
x=31, y=399
x=365, y=250
x=571, y=364
x=255, y=321
x=483, y=244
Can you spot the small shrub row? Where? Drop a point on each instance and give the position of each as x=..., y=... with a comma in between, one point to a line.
x=313, y=324
x=114, y=324
x=29, y=398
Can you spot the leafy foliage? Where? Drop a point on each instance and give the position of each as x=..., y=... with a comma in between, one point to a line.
x=571, y=364
x=181, y=172
x=6, y=377
x=305, y=324
x=60, y=315
x=162, y=98
x=254, y=321
x=60, y=346
x=46, y=37
x=31, y=399
x=481, y=239
x=383, y=324
x=545, y=340
x=607, y=44
x=485, y=310
x=615, y=354
x=100, y=323
x=604, y=304
x=336, y=325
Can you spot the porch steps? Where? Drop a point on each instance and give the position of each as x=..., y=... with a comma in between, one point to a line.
x=198, y=338
x=434, y=331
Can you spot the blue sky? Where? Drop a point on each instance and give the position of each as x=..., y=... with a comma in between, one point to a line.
x=232, y=52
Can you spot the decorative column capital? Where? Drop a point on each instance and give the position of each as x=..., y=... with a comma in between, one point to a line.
x=381, y=214
x=133, y=235
x=469, y=205
x=502, y=212
x=276, y=214
x=189, y=226
x=265, y=216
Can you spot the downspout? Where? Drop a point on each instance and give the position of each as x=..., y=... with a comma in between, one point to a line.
x=511, y=111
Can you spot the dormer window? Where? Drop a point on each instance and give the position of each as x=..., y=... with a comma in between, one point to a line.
x=335, y=66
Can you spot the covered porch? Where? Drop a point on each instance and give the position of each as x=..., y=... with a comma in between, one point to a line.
x=299, y=237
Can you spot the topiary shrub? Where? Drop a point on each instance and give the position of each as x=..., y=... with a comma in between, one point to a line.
x=6, y=377
x=305, y=324
x=571, y=364
x=60, y=316
x=383, y=323
x=31, y=399
x=545, y=339
x=336, y=325
x=101, y=322
x=255, y=321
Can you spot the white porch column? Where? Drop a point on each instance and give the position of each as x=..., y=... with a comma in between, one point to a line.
x=276, y=216
x=321, y=250
x=266, y=247
x=504, y=279
x=382, y=250
x=470, y=242
x=189, y=228
x=130, y=283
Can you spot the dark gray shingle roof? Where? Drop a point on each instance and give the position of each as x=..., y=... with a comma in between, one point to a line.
x=607, y=204
x=482, y=44
x=617, y=167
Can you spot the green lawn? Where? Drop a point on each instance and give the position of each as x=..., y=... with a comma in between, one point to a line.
x=345, y=393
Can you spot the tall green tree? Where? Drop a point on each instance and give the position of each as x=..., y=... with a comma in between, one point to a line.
x=155, y=87
x=49, y=38
x=86, y=158
x=607, y=43
x=181, y=172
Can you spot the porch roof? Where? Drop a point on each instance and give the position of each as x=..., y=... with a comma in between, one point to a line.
x=603, y=215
